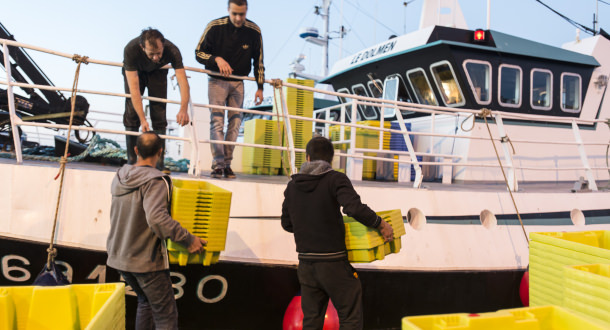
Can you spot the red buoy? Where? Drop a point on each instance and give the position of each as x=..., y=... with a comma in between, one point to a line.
x=524, y=289
x=293, y=317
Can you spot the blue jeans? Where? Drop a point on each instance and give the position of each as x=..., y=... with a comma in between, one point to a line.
x=231, y=94
x=156, y=303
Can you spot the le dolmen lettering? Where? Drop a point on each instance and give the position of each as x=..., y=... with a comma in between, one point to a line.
x=373, y=52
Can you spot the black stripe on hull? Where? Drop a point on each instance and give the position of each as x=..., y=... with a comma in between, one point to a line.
x=258, y=294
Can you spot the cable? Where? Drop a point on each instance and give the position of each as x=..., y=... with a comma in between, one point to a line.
x=571, y=21
x=289, y=38
x=371, y=17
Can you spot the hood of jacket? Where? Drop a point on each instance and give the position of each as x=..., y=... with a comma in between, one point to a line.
x=130, y=178
x=311, y=172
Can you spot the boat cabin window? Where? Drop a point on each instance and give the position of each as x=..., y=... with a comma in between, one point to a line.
x=479, y=78
x=394, y=89
x=510, y=82
x=376, y=88
x=368, y=111
x=570, y=92
x=444, y=77
x=541, y=95
x=348, y=108
x=421, y=85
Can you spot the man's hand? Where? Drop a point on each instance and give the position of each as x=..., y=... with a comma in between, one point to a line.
x=144, y=125
x=258, y=97
x=182, y=118
x=197, y=245
x=223, y=67
x=386, y=231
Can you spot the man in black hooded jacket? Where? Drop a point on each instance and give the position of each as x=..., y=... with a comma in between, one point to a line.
x=312, y=211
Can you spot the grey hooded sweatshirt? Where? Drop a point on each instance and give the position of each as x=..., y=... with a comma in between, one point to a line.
x=140, y=221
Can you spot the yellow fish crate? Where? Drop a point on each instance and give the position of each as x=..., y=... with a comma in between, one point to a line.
x=203, y=209
x=587, y=290
x=528, y=318
x=550, y=252
x=76, y=306
x=365, y=244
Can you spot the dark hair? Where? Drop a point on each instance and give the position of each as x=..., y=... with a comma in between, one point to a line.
x=238, y=3
x=320, y=148
x=151, y=35
x=148, y=144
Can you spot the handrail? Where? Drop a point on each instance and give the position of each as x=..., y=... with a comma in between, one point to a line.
x=398, y=105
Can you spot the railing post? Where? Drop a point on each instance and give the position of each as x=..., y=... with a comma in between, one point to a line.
x=326, y=125
x=11, y=107
x=288, y=130
x=353, y=167
x=510, y=168
x=583, y=157
x=194, y=165
x=405, y=134
x=342, y=127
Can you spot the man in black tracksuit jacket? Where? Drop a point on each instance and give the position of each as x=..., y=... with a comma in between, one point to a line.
x=311, y=210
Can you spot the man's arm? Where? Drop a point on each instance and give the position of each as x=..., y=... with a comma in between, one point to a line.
x=136, y=99
x=349, y=199
x=285, y=218
x=183, y=117
x=158, y=218
x=259, y=68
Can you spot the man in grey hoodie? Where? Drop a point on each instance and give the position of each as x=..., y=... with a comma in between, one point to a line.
x=139, y=225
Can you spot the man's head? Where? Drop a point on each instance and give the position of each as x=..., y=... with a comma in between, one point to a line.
x=320, y=148
x=151, y=41
x=148, y=145
x=237, y=12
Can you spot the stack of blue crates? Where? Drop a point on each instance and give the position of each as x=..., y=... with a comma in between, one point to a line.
x=397, y=142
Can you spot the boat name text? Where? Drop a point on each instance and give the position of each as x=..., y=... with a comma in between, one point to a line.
x=388, y=46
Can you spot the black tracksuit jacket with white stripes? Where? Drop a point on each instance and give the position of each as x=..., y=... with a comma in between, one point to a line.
x=241, y=47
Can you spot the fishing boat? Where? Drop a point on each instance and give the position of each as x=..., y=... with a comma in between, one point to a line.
x=455, y=98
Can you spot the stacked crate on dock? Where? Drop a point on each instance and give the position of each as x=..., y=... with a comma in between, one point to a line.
x=365, y=244
x=260, y=160
x=75, y=306
x=587, y=290
x=366, y=139
x=299, y=102
x=539, y=318
x=551, y=254
x=203, y=209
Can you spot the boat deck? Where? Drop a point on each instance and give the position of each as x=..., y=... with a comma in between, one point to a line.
x=530, y=187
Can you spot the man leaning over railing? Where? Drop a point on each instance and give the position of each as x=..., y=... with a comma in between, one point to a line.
x=143, y=60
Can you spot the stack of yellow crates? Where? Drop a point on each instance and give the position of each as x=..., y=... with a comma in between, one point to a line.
x=258, y=160
x=561, y=261
x=365, y=138
x=76, y=306
x=203, y=209
x=365, y=244
x=299, y=103
x=529, y=318
x=587, y=290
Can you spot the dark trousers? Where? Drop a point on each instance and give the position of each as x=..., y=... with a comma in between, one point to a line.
x=156, y=82
x=156, y=303
x=337, y=280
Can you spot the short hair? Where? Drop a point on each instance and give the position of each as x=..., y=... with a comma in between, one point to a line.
x=320, y=148
x=238, y=3
x=151, y=35
x=148, y=144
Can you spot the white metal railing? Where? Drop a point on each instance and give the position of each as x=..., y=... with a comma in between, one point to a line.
x=353, y=155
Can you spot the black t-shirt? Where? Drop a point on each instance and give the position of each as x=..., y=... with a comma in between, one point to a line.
x=134, y=58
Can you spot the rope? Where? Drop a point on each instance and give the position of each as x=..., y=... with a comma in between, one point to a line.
x=484, y=113
x=277, y=84
x=52, y=252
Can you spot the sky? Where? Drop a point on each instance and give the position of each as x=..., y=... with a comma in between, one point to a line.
x=101, y=29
